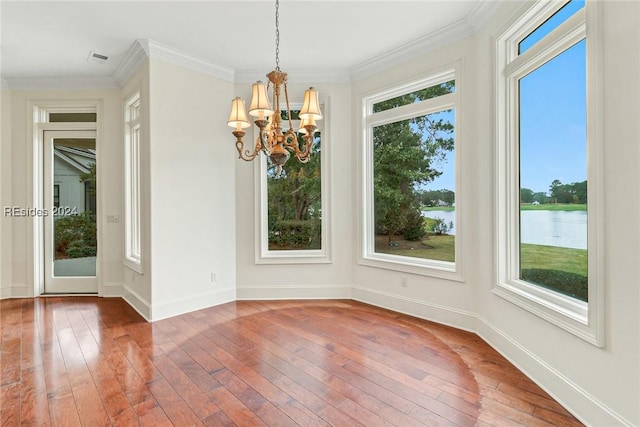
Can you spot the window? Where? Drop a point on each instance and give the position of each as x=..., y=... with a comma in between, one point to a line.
x=72, y=117
x=294, y=208
x=133, y=254
x=547, y=225
x=56, y=196
x=410, y=178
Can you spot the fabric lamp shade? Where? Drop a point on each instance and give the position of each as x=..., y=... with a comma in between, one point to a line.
x=238, y=117
x=260, y=105
x=310, y=106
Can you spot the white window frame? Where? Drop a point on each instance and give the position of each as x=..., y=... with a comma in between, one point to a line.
x=368, y=255
x=132, y=217
x=585, y=320
x=263, y=255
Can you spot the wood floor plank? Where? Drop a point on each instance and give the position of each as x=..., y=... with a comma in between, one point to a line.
x=86, y=361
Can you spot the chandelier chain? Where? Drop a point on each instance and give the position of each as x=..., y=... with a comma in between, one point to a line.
x=277, y=35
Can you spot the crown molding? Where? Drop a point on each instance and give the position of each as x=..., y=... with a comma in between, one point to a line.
x=141, y=50
x=444, y=36
x=168, y=54
x=427, y=43
x=296, y=76
x=137, y=55
x=61, y=83
x=481, y=13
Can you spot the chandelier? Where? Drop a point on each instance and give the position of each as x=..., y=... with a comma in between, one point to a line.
x=272, y=140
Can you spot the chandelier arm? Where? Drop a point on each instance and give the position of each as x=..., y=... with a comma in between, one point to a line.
x=291, y=143
x=242, y=153
x=286, y=99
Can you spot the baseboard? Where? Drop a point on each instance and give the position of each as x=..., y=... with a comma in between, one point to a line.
x=179, y=306
x=112, y=290
x=139, y=304
x=15, y=291
x=293, y=292
x=575, y=399
x=449, y=316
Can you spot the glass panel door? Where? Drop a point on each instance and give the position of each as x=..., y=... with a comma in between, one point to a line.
x=70, y=226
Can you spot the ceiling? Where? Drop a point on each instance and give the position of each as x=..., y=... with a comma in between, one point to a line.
x=52, y=39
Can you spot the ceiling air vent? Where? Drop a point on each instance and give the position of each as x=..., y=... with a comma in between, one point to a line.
x=97, y=57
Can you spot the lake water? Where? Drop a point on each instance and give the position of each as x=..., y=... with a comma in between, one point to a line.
x=551, y=228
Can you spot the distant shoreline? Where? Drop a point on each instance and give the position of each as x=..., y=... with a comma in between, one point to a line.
x=569, y=207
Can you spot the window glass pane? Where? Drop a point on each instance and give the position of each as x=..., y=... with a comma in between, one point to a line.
x=553, y=174
x=417, y=96
x=412, y=159
x=550, y=24
x=295, y=203
x=72, y=117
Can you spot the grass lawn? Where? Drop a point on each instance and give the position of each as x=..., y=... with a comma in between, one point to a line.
x=438, y=247
x=553, y=207
x=561, y=269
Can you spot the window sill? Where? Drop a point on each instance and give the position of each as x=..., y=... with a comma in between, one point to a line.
x=565, y=312
x=432, y=268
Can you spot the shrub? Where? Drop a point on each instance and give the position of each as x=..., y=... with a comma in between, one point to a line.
x=438, y=226
x=295, y=234
x=415, y=227
x=75, y=235
x=571, y=284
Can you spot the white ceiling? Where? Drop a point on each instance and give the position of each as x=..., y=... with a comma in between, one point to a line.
x=52, y=39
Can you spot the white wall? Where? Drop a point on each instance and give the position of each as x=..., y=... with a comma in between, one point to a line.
x=599, y=385
x=192, y=191
x=300, y=280
x=6, y=254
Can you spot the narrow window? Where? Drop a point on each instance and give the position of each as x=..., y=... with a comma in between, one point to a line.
x=294, y=214
x=553, y=148
x=546, y=173
x=133, y=254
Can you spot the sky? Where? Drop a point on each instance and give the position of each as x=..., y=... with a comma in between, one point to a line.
x=552, y=119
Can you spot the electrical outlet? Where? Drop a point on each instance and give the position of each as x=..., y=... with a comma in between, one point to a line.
x=214, y=276
x=403, y=282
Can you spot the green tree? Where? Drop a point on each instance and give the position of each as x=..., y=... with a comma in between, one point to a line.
x=526, y=195
x=405, y=155
x=294, y=199
x=576, y=192
x=540, y=197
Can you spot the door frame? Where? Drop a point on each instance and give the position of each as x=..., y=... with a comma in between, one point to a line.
x=40, y=111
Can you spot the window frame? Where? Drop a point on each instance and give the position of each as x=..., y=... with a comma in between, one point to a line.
x=132, y=176
x=367, y=255
x=263, y=255
x=585, y=320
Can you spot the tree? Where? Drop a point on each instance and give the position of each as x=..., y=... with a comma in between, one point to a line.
x=405, y=153
x=526, y=195
x=576, y=192
x=295, y=196
x=540, y=197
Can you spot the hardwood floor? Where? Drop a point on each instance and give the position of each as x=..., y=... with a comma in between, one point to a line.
x=94, y=361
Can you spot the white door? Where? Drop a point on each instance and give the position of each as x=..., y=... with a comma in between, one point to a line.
x=70, y=226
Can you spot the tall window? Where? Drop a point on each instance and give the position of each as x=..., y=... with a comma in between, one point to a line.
x=410, y=196
x=545, y=195
x=294, y=216
x=132, y=184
